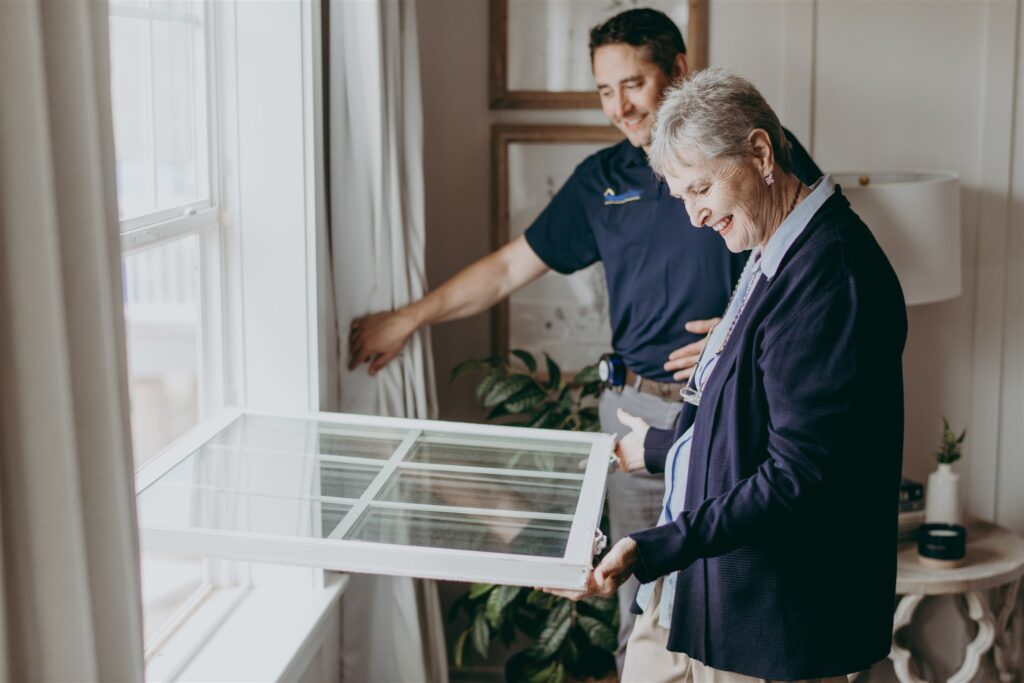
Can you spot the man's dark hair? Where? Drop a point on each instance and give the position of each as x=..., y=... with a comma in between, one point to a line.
x=643, y=28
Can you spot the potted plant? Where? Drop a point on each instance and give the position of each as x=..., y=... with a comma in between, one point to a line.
x=942, y=503
x=570, y=640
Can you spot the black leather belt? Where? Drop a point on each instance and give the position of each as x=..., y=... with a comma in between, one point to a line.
x=667, y=391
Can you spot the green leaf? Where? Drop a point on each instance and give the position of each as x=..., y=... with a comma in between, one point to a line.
x=460, y=648
x=554, y=373
x=505, y=389
x=481, y=635
x=487, y=383
x=539, y=415
x=570, y=652
x=600, y=603
x=525, y=399
x=598, y=633
x=551, y=419
x=528, y=360
x=498, y=411
x=565, y=400
x=464, y=367
x=552, y=673
x=478, y=589
x=555, y=629
x=587, y=375
x=520, y=666
x=540, y=599
x=460, y=602
x=497, y=601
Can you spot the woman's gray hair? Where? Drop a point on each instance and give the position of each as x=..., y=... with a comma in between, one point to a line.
x=714, y=111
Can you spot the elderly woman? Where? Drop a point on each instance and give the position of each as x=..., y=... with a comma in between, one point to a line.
x=775, y=554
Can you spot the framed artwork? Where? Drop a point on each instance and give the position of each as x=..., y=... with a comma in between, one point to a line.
x=539, y=48
x=563, y=316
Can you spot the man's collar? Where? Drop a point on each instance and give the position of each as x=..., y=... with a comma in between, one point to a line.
x=634, y=156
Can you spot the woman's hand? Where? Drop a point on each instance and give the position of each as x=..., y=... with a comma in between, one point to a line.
x=630, y=449
x=615, y=568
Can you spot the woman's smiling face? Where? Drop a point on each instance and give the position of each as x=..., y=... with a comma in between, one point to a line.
x=727, y=195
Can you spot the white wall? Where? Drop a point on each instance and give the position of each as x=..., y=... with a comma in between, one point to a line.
x=864, y=84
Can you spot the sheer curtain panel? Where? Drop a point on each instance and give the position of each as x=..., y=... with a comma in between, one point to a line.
x=67, y=521
x=392, y=628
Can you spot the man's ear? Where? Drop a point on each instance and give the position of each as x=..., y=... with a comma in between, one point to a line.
x=679, y=68
x=761, y=150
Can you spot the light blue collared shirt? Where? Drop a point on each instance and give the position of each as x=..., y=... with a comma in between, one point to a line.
x=677, y=464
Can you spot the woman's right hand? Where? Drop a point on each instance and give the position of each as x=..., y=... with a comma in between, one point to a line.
x=630, y=449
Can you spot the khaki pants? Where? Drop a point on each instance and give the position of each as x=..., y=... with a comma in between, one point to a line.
x=634, y=498
x=648, y=660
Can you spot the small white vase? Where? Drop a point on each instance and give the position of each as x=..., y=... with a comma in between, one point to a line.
x=942, y=502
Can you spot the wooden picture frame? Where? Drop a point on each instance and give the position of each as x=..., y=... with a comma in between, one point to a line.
x=503, y=137
x=504, y=97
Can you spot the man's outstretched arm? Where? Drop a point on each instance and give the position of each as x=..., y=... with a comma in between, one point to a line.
x=379, y=337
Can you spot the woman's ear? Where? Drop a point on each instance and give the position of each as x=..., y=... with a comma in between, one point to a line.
x=761, y=150
x=679, y=68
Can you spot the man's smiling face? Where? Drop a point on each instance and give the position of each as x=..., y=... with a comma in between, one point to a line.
x=630, y=87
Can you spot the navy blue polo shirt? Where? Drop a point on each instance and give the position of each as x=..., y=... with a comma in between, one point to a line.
x=661, y=271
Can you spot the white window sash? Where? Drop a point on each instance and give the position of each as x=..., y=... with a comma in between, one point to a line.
x=568, y=571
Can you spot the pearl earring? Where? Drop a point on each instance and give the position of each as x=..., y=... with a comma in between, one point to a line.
x=769, y=179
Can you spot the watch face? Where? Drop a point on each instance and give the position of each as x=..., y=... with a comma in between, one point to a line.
x=603, y=370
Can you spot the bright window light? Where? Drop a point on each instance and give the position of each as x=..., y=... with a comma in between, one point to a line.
x=158, y=81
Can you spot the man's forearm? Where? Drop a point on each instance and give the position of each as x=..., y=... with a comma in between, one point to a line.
x=479, y=286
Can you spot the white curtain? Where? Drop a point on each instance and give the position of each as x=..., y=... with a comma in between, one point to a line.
x=70, y=588
x=392, y=628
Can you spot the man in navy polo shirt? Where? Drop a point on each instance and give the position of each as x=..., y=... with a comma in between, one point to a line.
x=666, y=282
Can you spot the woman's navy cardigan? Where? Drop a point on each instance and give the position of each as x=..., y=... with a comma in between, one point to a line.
x=786, y=547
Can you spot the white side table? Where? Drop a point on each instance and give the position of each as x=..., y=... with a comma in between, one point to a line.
x=995, y=561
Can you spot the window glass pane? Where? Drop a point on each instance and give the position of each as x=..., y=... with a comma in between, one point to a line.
x=161, y=311
x=430, y=529
x=458, y=449
x=528, y=494
x=178, y=110
x=130, y=84
x=231, y=468
x=305, y=437
x=158, y=83
x=170, y=506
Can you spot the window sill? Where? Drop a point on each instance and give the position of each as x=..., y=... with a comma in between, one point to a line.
x=271, y=633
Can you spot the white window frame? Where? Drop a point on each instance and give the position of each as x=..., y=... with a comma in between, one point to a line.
x=568, y=571
x=242, y=239
x=225, y=584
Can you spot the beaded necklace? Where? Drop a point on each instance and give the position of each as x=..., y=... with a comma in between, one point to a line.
x=753, y=281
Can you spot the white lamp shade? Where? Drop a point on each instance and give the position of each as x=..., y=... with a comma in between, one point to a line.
x=915, y=216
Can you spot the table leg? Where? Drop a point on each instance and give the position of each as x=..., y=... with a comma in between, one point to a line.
x=1007, y=649
x=982, y=643
x=901, y=656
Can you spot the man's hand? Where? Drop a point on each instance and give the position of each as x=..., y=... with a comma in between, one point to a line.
x=683, y=359
x=630, y=449
x=615, y=568
x=377, y=338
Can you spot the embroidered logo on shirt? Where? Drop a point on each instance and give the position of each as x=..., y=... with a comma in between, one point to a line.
x=624, y=198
